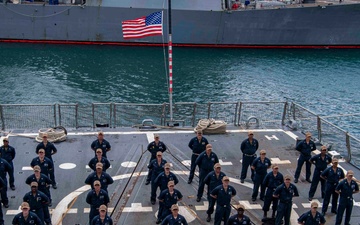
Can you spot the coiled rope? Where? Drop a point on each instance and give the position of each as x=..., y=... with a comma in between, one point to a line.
x=211, y=126
x=56, y=134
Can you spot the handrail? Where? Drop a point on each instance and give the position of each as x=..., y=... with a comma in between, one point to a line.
x=272, y=113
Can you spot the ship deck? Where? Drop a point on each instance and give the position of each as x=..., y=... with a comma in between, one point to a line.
x=130, y=197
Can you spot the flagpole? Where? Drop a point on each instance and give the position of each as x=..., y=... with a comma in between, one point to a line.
x=170, y=62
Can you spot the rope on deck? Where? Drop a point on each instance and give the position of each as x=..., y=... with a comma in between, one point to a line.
x=211, y=126
x=56, y=134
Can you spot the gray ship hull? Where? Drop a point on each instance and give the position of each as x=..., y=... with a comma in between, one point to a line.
x=309, y=26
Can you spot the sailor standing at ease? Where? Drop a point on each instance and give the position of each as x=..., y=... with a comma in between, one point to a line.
x=271, y=181
x=239, y=218
x=260, y=166
x=305, y=147
x=332, y=175
x=5, y=168
x=50, y=150
x=223, y=194
x=26, y=216
x=8, y=154
x=197, y=145
x=167, y=198
x=205, y=161
x=320, y=161
x=100, y=142
x=346, y=189
x=154, y=147
x=248, y=147
x=312, y=217
x=285, y=192
x=212, y=180
x=157, y=167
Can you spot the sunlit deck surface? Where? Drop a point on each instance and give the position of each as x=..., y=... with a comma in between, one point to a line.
x=130, y=197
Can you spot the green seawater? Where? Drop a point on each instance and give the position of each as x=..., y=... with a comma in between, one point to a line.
x=325, y=81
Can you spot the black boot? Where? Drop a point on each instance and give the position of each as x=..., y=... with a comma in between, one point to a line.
x=273, y=214
x=208, y=218
x=265, y=214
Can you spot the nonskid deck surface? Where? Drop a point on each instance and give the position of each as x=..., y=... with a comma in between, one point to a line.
x=130, y=197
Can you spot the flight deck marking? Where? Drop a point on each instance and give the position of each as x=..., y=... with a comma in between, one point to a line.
x=186, y=162
x=250, y=206
x=225, y=163
x=150, y=136
x=279, y=161
x=128, y=164
x=13, y=212
x=67, y=166
x=27, y=168
x=272, y=137
x=202, y=207
x=137, y=207
x=291, y=134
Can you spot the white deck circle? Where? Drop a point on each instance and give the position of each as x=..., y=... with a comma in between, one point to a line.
x=67, y=166
x=128, y=164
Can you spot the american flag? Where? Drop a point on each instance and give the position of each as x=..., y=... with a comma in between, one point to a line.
x=145, y=26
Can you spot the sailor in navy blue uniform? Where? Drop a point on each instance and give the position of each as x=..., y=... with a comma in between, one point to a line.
x=153, y=148
x=38, y=203
x=312, y=217
x=248, y=147
x=320, y=161
x=157, y=167
x=102, y=218
x=332, y=175
x=163, y=179
x=197, y=145
x=346, y=189
x=223, y=194
x=44, y=163
x=206, y=162
x=50, y=150
x=174, y=218
x=239, y=218
x=271, y=181
x=212, y=180
x=285, y=192
x=2, y=185
x=167, y=198
x=95, y=198
x=260, y=166
x=5, y=168
x=8, y=153
x=100, y=142
x=305, y=147
x=104, y=178
x=43, y=181
x=26, y=217
x=99, y=158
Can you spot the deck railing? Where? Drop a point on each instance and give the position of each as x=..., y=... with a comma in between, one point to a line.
x=326, y=132
x=245, y=115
